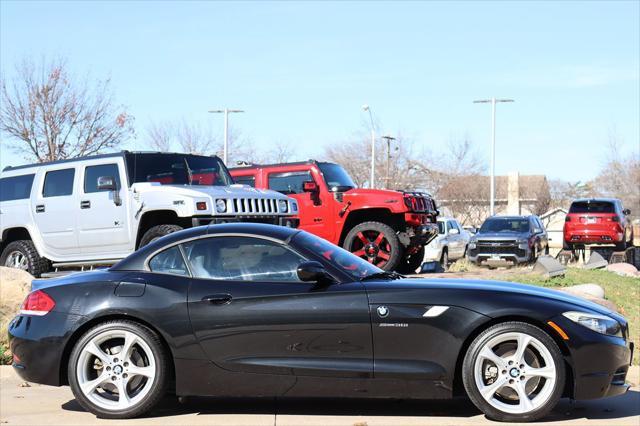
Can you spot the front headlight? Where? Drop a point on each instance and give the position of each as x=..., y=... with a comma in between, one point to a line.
x=523, y=243
x=283, y=206
x=221, y=205
x=471, y=245
x=599, y=323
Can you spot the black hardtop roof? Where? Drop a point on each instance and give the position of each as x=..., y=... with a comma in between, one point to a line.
x=94, y=157
x=595, y=200
x=136, y=260
x=511, y=217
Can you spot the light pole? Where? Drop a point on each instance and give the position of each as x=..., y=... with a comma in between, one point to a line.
x=226, y=111
x=389, y=139
x=372, y=178
x=493, y=102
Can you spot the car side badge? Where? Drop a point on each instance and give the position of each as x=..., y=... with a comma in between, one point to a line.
x=434, y=311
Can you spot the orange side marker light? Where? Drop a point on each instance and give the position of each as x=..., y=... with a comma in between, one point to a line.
x=557, y=328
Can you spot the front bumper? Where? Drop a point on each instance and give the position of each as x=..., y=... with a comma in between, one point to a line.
x=507, y=254
x=600, y=363
x=585, y=236
x=288, y=221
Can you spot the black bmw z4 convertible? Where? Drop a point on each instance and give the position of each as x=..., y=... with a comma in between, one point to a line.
x=251, y=310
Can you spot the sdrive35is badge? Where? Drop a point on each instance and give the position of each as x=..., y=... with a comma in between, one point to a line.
x=383, y=311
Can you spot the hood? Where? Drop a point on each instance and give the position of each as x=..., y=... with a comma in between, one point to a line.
x=505, y=287
x=369, y=192
x=234, y=190
x=499, y=236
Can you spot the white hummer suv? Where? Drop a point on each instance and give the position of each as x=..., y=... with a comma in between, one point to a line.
x=96, y=210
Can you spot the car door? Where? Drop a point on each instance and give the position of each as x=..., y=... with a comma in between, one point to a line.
x=541, y=234
x=252, y=315
x=314, y=207
x=103, y=228
x=456, y=246
x=54, y=214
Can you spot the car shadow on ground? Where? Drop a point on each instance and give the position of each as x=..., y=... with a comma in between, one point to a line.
x=620, y=407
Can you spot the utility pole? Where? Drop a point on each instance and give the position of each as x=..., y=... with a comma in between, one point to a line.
x=372, y=178
x=226, y=111
x=389, y=139
x=492, y=190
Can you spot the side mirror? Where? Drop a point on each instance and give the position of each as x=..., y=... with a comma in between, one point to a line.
x=453, y=231
x=107, y=183
x=310, y=186
x=626, y=212
x=537, y=231
x=311, y=271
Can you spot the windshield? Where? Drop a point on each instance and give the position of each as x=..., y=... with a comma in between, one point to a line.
x=592, y=207
x=505, y=225
x=177, y=169
x=340, y=258
x=336, y=178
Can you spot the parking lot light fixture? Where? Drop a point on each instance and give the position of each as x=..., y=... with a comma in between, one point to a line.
x=492, y=189
x=226, y=111
x=372, y=178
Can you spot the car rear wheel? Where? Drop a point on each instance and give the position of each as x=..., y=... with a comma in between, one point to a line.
x=444, y=259
x=118, y=370
x=514, y=372
x=22, y=254
x=375, y=242
x=157, y=232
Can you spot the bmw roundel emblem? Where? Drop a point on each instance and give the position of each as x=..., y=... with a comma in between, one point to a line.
x=383, y=311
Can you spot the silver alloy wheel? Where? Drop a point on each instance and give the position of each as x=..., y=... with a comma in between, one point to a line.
x=17, y=259
x=116, y=369
x=515, y=373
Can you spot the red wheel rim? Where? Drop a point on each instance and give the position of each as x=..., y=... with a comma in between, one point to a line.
x=372, y=246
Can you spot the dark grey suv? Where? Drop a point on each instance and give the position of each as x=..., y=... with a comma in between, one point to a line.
x=515, y=239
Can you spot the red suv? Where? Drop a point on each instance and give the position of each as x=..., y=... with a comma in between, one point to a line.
x=387, y=228
x=597, y=221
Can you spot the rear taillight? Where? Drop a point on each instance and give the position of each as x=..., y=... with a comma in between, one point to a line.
x=37, y=303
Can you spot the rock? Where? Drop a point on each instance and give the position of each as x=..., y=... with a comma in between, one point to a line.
x=624, y=269
x=14, y=287
x=591, y=290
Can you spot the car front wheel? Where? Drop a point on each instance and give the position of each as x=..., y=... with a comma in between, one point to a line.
x=118, y=370
x=375, y=242
x=514, y=372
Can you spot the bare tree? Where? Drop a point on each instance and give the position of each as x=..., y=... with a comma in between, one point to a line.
x=281, y=152
x=161, y=136
x=48, y=115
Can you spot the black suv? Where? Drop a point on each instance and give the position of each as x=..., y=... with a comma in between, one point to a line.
x=515, y=239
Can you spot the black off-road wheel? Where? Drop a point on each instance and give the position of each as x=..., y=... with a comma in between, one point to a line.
x=375, y=242
x=410, y=263
x=22, y=254
x=118, y=370
x=514, y=372
x=157, y=232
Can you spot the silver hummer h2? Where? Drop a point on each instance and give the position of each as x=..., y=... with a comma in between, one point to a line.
x=98, y=209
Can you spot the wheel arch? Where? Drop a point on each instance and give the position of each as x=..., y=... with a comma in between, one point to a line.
x=153, y=218
x=14, y=234
x=77, y=334
x=458, y=387
x=382, y=215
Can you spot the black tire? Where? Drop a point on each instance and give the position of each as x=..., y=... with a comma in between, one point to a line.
x=353, y=243
x=533, y=257
x=621, y=246
x=158, y=231
x=546, y=250
x=162, y=372
x=412, y=262
x=36, y=265
x=444, y=259
x=470, y=383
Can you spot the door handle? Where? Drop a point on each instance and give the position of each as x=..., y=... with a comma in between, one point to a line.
x=86, y=204
x=218, y=299
x=40, y=208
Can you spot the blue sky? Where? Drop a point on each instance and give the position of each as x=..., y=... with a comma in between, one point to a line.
x=302, y=70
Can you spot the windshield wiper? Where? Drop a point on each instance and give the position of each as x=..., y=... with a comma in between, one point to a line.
x=390, y=275
x=189, y=172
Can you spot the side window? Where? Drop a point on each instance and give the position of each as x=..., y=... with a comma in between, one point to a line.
x=289, y=183
x=242, y=259
x=58, y=183
x=169, y=261
x=451, y=225
x=246, y=180
x=92, y=173
x=16, y=187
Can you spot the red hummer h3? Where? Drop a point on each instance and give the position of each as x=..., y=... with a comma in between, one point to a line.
x=387, y=228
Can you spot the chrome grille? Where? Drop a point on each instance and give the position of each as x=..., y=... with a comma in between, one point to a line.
x=254, y=206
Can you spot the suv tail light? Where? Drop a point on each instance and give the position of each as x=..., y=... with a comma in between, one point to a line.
x=37, y=303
